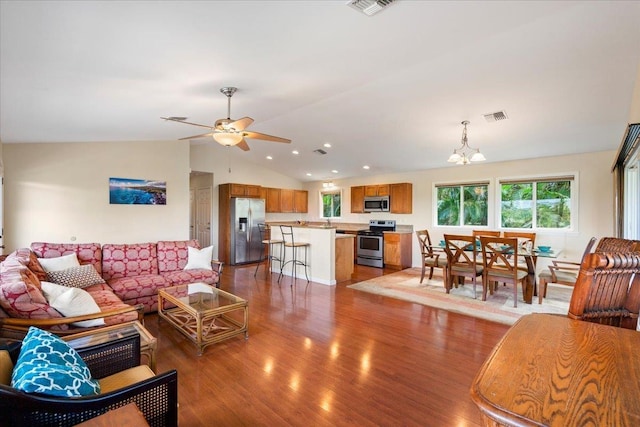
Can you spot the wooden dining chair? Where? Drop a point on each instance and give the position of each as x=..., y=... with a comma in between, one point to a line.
x=607, y=289
x=492, y=233
x=526, y=240
x=617, y=244
x=432, y=257
x=562, y=272
x=461, y=253
x=500, y=265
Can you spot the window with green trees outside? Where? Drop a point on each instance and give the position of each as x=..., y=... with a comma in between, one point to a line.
x=331, y=203
x=544, y=203
x=464, y=204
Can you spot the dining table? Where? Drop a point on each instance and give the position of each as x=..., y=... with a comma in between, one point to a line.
x=530, y=256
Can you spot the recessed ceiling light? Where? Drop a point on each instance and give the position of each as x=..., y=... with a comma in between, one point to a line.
x=334, y=171
x=308, y=174
x=327, y=145
x=269, y=158
x=366, y=167
x=295, y=152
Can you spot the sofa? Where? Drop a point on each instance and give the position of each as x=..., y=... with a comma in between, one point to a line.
x=130, y=275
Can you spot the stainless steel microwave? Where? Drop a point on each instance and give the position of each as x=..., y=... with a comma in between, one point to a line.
x=376, y=204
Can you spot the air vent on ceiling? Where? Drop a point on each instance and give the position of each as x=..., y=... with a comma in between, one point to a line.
x=320, y=151
x=369, y=7
x=494, y=117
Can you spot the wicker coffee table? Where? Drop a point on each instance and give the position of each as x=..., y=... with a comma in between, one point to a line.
x=203, y=313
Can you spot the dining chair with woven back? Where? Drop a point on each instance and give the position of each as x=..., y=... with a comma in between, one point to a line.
x=500, y=265
x=462, y=262
x=607, y=290
x=561, y=272
x=432, y=257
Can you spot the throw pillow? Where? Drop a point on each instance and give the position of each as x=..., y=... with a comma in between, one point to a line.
x=76, y=277
x=72, y=302
x=48, y=365
x=199, y=258
x=59, y=263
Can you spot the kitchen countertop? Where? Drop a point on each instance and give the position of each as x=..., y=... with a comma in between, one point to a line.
x=342, y=226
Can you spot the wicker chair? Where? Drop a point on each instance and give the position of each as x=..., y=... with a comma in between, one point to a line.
x=156, y=397
x=607, y=290
x=431, y=257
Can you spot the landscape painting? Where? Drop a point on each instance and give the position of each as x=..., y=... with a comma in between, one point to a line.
x=126, y=191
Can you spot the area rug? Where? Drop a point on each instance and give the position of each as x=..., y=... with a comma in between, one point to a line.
x=405, y=285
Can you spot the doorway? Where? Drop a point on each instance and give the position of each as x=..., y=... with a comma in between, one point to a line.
x=200, y=207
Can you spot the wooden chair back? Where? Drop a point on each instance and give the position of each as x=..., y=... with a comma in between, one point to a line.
x=525, y=239
x=616, y=244
x=431, y=258
x=461, y=253
x=492, y=233
x=500, y=265
x=607, y=289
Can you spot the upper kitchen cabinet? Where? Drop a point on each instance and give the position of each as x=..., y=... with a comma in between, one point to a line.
x=401, y=198
x=294, y=201
x=376, y=190
x=272, y=200
x=244, y=190
x=301, y=201
x=357, y=199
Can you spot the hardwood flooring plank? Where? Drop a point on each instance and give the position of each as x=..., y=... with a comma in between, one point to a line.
x=329, y=356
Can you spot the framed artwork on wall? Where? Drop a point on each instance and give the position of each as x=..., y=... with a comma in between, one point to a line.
x=127, y=191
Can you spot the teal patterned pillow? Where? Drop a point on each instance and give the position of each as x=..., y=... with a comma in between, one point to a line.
x=49, y=366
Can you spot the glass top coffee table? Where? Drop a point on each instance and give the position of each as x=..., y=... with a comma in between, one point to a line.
x=203, y=313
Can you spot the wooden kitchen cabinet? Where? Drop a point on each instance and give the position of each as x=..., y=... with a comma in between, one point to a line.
x=272, y=203
x=357, y=199
x=376, y=190
x=300, y=201
x=401, y=198
x=286, y=200
x=397, y=250
x=244, y=190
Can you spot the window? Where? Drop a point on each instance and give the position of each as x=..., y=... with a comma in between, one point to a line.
x=463, y=204
x=331, y=203
x=536, y=203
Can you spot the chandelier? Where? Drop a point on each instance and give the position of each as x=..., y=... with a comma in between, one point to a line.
x=465, y=154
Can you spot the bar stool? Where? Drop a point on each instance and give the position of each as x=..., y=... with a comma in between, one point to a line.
x=265, y=236
x=289, y=242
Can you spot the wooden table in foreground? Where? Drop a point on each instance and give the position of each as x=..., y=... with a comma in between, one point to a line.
x=203, y=313
x=551, y=370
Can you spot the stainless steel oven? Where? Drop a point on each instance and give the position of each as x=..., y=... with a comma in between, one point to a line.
x=370, y=249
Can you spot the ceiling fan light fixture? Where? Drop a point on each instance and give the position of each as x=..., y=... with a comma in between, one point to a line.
x=228, y=139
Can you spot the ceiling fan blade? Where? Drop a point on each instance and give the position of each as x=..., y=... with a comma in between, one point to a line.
x=243, y=145
x=264, y=136
x=188, y=123
x=241, y=124
x=197, y=136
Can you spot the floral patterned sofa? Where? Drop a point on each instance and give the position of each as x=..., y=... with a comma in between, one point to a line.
x=133, y=274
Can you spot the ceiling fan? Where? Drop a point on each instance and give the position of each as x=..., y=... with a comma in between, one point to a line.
x=229, y=132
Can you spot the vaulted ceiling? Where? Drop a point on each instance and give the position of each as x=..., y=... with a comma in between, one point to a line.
x=387, y=90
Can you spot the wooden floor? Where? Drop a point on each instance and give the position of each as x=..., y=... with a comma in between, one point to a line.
x=329, y=356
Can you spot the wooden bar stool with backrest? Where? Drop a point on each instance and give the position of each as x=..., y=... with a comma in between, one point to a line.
x=500, y=265
x=289, y=242
x=431, y=257
x=268, y=252
x=462, y=262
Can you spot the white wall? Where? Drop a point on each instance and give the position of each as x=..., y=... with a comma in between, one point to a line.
x=595, y=186
x=57, y=192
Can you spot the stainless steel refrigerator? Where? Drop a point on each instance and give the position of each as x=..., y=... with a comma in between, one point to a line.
x=246, y=244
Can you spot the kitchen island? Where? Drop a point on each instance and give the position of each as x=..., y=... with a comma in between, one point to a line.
x=330, y=255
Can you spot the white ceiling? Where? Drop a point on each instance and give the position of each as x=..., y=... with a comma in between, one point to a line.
x=389, y=90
